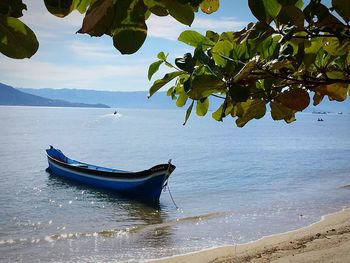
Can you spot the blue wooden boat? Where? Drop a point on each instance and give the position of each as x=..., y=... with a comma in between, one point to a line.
x=144, y=185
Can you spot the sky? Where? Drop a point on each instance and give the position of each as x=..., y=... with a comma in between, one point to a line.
x=77, y=61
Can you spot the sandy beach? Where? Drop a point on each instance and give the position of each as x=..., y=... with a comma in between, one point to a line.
x=325, y=241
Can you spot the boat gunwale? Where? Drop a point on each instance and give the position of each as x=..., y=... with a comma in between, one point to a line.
x=166, y=168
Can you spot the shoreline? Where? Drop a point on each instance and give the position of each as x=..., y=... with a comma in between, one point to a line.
x=327, y=240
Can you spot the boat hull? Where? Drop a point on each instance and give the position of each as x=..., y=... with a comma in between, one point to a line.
x=145, y=185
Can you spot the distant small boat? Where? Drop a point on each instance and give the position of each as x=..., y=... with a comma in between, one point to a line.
x=115, y=112
x=319, y=119
x=144, y=185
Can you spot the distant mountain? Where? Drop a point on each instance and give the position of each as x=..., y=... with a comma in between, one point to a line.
x=15, y=97
x=116, y=99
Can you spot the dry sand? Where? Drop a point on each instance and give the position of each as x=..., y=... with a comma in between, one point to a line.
x=325, y=241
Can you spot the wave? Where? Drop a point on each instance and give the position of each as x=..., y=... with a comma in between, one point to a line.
x=112, y=115
x=114, y=233
x=191, y=219
x=64, y=236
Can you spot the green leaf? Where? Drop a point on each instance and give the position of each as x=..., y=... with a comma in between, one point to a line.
x=263, y=10
x=336, y=48
x=161, y=82
x=317, y=14
x=291, y=15
x=239, y=51
x=218, y=114
x=99, y=19
x=336, y=75
x=185, y=63
x=156, y=7
x=258, y=9
x=171, y=92
x=202, y=107
x=342, y=7
x=280, y=64
x=239, y=93
x=129, y=40
x=181, y=12
x=281, y=112
x=212, y=36
x=13, y=8
x=188, y=112
x=272, y=7
x=194, y=39
x=220, y=50
x=130, y=30
x=308, y=60
x=182, y=99
x=269, y=48
x=162, y=56
x=314, y=46
x=210, y=6
x=311, y=51
x=222, y=111
x=159, y=10
x=82, y=5
x=205, y=85
x=246, y=70
x=246, y=111
x=299, y=4
x=62, y=8
x=16, y=40
x=296, y=3
x=4, y=8
x=153, y=68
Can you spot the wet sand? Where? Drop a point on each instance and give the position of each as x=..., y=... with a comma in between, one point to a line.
x=324, y=241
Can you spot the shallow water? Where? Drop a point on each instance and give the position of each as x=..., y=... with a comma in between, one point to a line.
x=231, y=185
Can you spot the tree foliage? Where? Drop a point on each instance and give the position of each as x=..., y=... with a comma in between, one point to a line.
x=123, y=20
x=291, y=53
x=16, y=39
x=294, y=51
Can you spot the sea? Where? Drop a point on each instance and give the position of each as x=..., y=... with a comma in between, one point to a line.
x=231, y=185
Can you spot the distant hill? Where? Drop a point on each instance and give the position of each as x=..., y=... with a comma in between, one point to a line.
x=15, y=97
x=115, y=99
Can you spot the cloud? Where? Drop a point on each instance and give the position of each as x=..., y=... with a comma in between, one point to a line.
x=48, y=26
x=66, y=60
x=38, y=74
x=168, y=28
x=92, y=51
x=219, y=25
x=101, y=51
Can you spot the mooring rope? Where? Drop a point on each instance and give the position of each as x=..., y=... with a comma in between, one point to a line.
x=171, y=196
x=166, y=185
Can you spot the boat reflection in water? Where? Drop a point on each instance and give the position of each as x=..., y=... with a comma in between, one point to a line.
x=108, y=221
